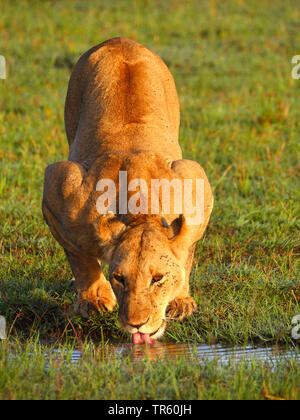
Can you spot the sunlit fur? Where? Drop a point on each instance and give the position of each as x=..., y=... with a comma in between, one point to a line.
x=122, y=114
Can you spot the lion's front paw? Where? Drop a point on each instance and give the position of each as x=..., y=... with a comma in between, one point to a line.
x=85, y=308
x=180, y=308
x=95, y=300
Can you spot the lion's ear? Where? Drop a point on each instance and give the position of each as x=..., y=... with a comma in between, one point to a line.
x=182, y=234
x=174, y=228
x=110, y=228
x=188, y=230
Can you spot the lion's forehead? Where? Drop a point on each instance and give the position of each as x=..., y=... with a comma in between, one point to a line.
x=145, y=252
x=144, y=244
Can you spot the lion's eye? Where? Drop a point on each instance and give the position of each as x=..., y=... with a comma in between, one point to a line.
x=157, y=278
x=119, y=278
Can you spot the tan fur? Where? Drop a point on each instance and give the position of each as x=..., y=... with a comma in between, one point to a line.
x=122, y=113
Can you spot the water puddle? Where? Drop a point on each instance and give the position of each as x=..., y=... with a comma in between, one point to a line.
x=176, y=351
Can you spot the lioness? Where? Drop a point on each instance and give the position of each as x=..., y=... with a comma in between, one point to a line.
x=122, y=115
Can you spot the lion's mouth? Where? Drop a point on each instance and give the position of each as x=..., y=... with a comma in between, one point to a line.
x=143, y=338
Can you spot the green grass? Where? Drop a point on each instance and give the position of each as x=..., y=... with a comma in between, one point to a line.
x=239, y=119
x=35, y=372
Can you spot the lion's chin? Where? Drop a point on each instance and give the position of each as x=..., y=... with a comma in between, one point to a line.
x=160, y=332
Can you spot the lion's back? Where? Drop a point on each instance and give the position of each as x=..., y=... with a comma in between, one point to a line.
x=116, y=84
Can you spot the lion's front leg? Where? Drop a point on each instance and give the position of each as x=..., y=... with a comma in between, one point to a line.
x=94, y=291
x=183, y=305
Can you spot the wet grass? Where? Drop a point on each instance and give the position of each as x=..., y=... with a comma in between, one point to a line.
x=34, y=371
x=239, y=120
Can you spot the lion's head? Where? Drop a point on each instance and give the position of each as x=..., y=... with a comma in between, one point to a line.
x=146, y=273
x=149, y=264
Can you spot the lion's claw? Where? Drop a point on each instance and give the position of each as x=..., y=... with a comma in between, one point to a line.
x=87, y=308
x=95, y=300
x=180, y=308
x=72, y=284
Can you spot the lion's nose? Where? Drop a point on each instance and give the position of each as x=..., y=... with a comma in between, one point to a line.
x=137, y=326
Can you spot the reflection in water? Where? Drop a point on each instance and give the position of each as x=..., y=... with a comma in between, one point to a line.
x=157, y=351
x=202, y=353
x=174, y=351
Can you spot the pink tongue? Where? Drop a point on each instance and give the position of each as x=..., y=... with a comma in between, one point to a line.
x=140, y=338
